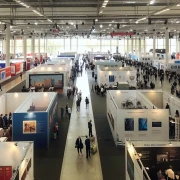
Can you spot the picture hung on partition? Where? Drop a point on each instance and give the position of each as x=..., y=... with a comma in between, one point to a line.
x=3, y=75
x=129, y=124
x=47, y=81
x=143, y=124
x=111, y=119
x=162, y=157
x=111, y=78
x=29, y=127
x=156, y=124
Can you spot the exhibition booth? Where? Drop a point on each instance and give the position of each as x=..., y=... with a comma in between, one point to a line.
x=5, y=74
x=47, y=76
x=107, y=63
x=113, y=75
x=146, y=59
x=34, y=119
x=61, y=61
x=16, y=161
x=71, y=55
x=145, y=158
x=138, y=115
x=91, y=55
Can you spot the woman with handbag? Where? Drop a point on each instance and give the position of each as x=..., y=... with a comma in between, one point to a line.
x=79, y=145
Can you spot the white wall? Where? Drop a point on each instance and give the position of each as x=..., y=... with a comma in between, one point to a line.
x=152, y=115
x=155, y=97
x=3, y=104
x=119, y=76
x=23, y=166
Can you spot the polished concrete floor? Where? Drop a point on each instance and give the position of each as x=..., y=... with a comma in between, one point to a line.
x=76, y=166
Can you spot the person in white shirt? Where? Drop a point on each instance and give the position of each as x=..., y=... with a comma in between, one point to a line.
x=170, y=173
x=69, y=112
x=102, y=91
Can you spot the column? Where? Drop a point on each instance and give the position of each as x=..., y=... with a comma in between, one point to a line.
x=39, y=51
x=132, y=47
x=33, y=48
x=44, y=44
x=70, y=43
x=14, y=51
x=144, y=46
x=7, y=45
x=136, y=52
x=25, y=48
x=154, y=46
x=64, y=44
x=177, y=44
x=127, y=46
x=110, y=45
x=77, y=43
x=167, y=45
x=100, y=44
x=4, y=46
x=139, y=47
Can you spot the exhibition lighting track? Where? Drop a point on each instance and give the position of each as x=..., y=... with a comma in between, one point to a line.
x=33, y=9
x=164, y=10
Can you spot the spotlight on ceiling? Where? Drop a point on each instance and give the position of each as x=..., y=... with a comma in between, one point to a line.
x=166, y=21
x=96, y=19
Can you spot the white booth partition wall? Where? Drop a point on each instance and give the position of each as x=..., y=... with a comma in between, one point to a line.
x=146, y=59
x=131, y=115
x=47, y=75
x=17, y=160
x=11, y=101
x=145, y=157
x=107, y=63
x=113, y=75
x=134, y=168
x=35, y=118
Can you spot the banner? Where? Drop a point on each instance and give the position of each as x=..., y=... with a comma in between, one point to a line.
x=5, y=74
x=5, y=172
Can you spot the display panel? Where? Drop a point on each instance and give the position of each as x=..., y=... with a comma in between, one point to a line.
x=46, y=80
x=156, y=124
x=129, y=124
x=143, y=124
x=111, y=78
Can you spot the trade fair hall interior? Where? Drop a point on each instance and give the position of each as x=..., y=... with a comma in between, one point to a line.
x=89, y=90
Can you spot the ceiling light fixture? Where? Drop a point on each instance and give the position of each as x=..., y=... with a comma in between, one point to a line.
x=152, y=2
x=101, y=12
x=49, y=20
x=96, y=19
x=101, y=26
x=35, y=23
x=178, y=5
x=164, y=10
x=141, y=19
x=22, y=3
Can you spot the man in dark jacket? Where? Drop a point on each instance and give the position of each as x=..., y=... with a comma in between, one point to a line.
x=90, y=128
x=78, y=102
x=88, y=146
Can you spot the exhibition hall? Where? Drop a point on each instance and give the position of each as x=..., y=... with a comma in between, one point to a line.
x=89, y=90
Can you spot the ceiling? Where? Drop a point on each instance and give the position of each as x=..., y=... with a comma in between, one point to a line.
x=72, y=18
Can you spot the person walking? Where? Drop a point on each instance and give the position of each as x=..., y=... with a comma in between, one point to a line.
x=102, y=91
x=62, y=111
x=79, y=145
x=67, y=109
x=92, y=89
x=74, y=89
x=0, y=87
x=78, y=103
x=87, y=102
x=88, y=146
x=21, y=76
x=90, y=128
x=5, y=119
x=69, y=112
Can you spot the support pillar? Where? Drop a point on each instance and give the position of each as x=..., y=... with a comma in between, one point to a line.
x=4, y=46
x=127, y=46
x=136, y=51
x=39, y=51
x=14, y=47
x=139, y=47
x=132, y=47
x=177, y=44
x=25, y=48
x=167, y=45
x=154, y=46
x=33, y=48
x=144, y=47
x=7, y=45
